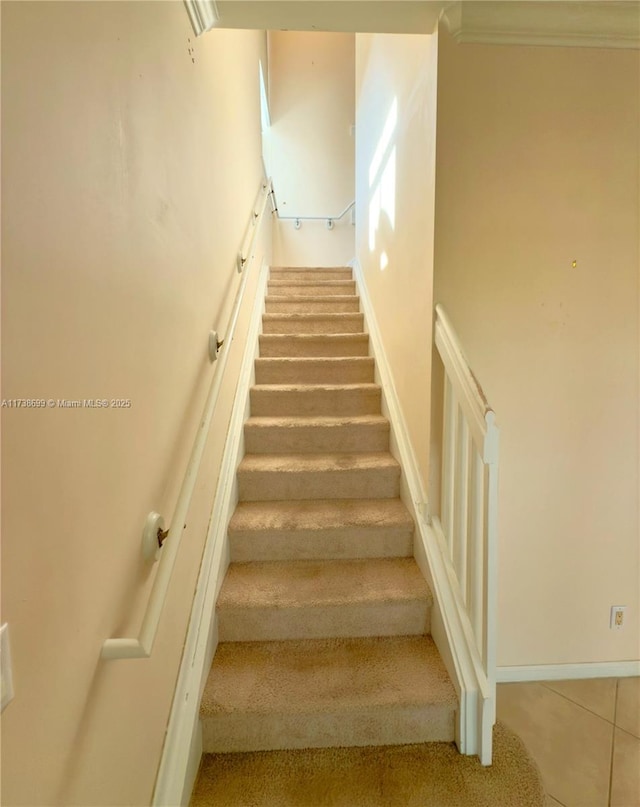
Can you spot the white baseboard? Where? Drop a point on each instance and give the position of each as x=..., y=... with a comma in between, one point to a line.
x=562, y=672
x=182, y=750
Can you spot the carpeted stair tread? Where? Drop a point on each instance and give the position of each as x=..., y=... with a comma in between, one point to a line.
x=315, y=515
x=292, y=323
x=320, y=529
x=307, y=676
x=313, y=693
x=287, y=345
x=299, y=463
x=342, y=269
x=305, y=583
x=319, y=421
x=331, y=284
x=277, y=400
x=364, y=386
x=311, y=287
x=311, y=268
x=417, y=775
x=314, y=370
x=318, y=599
x=263, y=477
x=311, y=273
x=283, y=303
x=319, y=434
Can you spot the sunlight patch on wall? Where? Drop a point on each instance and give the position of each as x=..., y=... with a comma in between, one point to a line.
x=382, y=182
x=265, y=121
x=385, y=141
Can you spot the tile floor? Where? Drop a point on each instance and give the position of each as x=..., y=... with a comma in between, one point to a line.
x=584, y=735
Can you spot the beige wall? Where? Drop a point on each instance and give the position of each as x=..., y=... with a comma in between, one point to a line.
x=130, y=161
x=310, y=147
x=395, y=245
x=537, y=167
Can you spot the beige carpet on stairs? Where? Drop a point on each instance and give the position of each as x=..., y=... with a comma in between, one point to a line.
x=424, y=775
x=326, y=687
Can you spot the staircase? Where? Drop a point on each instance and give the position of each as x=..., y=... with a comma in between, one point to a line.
x=323, y=616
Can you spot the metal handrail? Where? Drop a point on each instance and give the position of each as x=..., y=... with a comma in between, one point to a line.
x=299, y=219
x=142, y=646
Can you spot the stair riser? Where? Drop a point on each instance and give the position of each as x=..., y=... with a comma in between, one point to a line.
x=329, y=544
x=272, y=402
x=410, y=618
x=293, y=275
x=373, y=726
x=273, y=345
x=313, y=323
x=329, y=288
x=316, y=439
x=336, y=305
x=304, y=371
x=373, y=483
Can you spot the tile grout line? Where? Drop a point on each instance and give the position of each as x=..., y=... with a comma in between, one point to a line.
x=595, y=714
x=561, y=803
x=580, y=706
x=613, y=742
x=628, y=733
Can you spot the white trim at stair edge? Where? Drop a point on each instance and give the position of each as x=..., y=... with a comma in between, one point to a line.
x=561, y=672
x=182, y=749
x=447, y=626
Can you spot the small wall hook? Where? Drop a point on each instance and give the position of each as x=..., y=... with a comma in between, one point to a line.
x=153, y=536
x=214, y=345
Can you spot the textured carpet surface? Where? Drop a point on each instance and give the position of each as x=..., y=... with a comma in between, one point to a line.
x=320, y=514
x=308, y=345
x=324, y=616
x=316, y=675
x=320, y=529
x=322, y=583
x=429, y=775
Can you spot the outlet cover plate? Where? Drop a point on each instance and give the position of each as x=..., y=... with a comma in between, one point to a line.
x=617, y=617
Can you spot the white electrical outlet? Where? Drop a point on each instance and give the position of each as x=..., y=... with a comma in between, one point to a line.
x=617, y=616
x=6, y=676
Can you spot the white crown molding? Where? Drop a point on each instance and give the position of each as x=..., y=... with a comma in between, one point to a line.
x=203, y=15
x=594, y=24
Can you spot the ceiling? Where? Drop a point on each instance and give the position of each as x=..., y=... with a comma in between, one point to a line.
x=612, y=23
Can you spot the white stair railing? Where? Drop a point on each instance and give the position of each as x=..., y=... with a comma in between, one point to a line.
x=467, y=527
